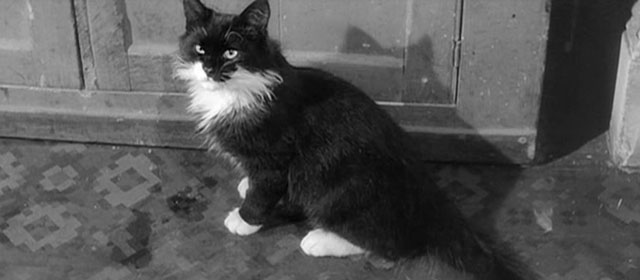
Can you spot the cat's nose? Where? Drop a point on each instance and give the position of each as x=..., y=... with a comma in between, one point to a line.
x=213, y=74
x=208, y=70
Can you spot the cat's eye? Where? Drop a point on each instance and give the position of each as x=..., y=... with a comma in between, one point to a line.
x=199, y=49
x=230, y=54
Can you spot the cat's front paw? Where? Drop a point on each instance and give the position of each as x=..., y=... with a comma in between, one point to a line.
x=236, y=225
x=243, y=186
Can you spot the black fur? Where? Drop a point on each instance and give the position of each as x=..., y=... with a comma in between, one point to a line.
x=324, y=147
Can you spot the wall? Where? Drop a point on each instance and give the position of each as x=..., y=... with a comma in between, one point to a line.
x=624, y=133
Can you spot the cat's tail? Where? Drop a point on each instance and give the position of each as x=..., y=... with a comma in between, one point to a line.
x=486, y=259
x=469, y=256
x=503, y=264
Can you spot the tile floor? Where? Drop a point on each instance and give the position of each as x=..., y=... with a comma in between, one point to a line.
x=92, y=212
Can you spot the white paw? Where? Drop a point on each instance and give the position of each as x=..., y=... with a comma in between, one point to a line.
x=322, y=243
x=243, y=186
x=236, y=225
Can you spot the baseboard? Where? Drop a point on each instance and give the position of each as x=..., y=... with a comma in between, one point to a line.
x=160, y=120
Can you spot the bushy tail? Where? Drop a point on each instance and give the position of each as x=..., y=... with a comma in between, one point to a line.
x=468, y=257
x=506, y=265
x=486, y=259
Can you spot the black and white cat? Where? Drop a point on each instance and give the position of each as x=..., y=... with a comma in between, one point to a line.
x=313, y=145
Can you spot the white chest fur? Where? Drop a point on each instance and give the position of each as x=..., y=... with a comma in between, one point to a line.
x=243, y=93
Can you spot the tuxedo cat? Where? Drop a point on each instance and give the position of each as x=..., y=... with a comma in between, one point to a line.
x=313, y=145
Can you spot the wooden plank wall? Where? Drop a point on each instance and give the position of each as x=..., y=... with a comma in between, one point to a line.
x=38, y=44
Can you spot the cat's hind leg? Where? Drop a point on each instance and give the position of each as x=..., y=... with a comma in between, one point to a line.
x=323, y=243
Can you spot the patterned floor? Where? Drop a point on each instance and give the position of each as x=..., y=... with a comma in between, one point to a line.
x=74, y=211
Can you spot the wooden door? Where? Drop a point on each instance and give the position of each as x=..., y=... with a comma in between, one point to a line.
x=38, y=44
x=396, y=50
x=464, y=76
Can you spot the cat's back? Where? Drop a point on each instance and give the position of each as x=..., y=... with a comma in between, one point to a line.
x=321, y=90
x=336, y=113
x=320, y=85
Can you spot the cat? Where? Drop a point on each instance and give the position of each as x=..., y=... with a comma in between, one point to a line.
x=313, y=145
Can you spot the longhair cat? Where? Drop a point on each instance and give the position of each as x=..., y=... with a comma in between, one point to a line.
x=313, y=145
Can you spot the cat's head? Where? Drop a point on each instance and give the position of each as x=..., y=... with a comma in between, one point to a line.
x=228, y=61
x=224, y=42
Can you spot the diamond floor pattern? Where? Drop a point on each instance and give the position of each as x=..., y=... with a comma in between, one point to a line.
x=75, y=211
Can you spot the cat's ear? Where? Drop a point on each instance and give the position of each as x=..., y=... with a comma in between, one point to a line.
x=196, y=13
x=256, y=16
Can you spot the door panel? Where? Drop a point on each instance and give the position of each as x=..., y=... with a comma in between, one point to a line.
x=109, y=39
x=502, y=63
x=337, y=26
x=397, y=51
x=432, y=54
x=384, y=47
x=38, y=44
x=154, y=32
x=363, y=45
